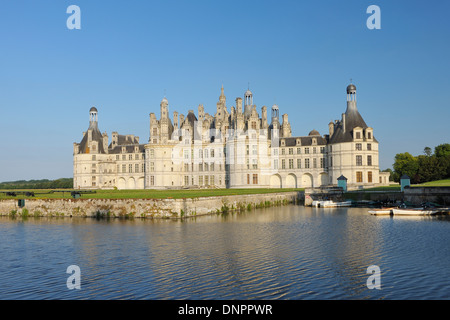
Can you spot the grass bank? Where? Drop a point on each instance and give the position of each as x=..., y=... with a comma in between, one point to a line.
x=146, y=194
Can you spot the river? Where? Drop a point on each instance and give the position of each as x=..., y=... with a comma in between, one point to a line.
x=290, y=252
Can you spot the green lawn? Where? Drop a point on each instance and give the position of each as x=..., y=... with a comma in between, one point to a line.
x=145, y=194
x=437, y=183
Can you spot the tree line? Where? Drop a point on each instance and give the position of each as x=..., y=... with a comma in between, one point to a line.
x=428, y=166
x=63, y=183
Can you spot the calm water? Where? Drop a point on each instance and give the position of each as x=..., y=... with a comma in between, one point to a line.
x=278, y=253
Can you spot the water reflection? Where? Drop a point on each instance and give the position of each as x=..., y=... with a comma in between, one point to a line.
x=289, y=252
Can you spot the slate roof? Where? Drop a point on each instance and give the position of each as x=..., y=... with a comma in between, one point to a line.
x=96, y=136
x=353, y=119
x=305, y=141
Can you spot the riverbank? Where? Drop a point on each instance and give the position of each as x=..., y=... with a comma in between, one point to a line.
x=146, y=208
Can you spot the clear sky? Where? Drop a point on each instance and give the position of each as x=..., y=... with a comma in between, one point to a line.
x=297, y=54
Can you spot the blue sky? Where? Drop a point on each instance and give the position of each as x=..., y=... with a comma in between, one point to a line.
x=297, y=54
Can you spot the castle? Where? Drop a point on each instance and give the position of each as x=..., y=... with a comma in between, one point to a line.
x=235, y=148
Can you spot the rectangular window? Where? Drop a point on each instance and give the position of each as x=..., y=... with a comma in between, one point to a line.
x=322, y=163
x=299, y=150
x=255, y=179
x=275, y=164
x=130, y=168
x=200, y=167
x=307, y=163
x=117, y=157
x=211, y=180
x=314, y=150
x=211, y=167
x=358, y=135
x=322, y=149
x=152, y=166
x=359, y=176
x=359, y=146
x=291, y=150
x=248, y=179
x=186, y=180
x=283, y=151
x=331, y=161
x=359, y=160
x=299, y=163
x=314, y=163
x=200, y=180
x=152, y=180
x=291, y=163
x=152, y=153
x=212, y=153
x=130, y=157
x=283, y=164
x=136, y=156
x=369, y=176
x=369, y=146
x=124, y=168
x=255, y=150
x=124, y=157
x=206, y=180
x=248, y=149
x=369, y=135
x=136, y=168
x=369, y=160
x=306, y=150
x=255, y=164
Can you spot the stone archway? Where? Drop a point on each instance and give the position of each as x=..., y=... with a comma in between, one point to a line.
x=291, y=181
x=307, y=181
x=275, y=181
x=121, y=183
x=131, y=183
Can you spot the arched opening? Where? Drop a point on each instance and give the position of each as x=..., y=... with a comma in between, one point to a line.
x=275, y=181
x=291, y=181
x=131, y=183
x=307, y=181
x=121, y=184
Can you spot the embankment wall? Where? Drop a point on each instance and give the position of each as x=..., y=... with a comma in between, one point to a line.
x=145, y=208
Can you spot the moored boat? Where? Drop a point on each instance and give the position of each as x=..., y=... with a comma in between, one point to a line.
x=381, y=211
x=414, y=211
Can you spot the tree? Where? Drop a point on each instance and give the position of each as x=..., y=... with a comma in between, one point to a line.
x=407, y=164
x=442, y=150
x=427, y=151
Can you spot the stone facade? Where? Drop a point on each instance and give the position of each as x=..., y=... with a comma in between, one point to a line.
x=236, y=148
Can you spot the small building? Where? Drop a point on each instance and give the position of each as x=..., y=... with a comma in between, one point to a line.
x=404, y=181
x=342, y=182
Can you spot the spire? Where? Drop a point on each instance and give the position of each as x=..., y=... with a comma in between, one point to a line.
x=222, y=97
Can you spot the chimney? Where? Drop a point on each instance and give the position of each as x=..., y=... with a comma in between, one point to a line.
x=343, y=122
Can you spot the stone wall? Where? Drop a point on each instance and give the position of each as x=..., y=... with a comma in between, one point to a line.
x=145, y=208
x=419, y=195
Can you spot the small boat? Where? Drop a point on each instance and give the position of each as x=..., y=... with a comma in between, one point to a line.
x=414, y=211
x=332, y=204
x=381, y=211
